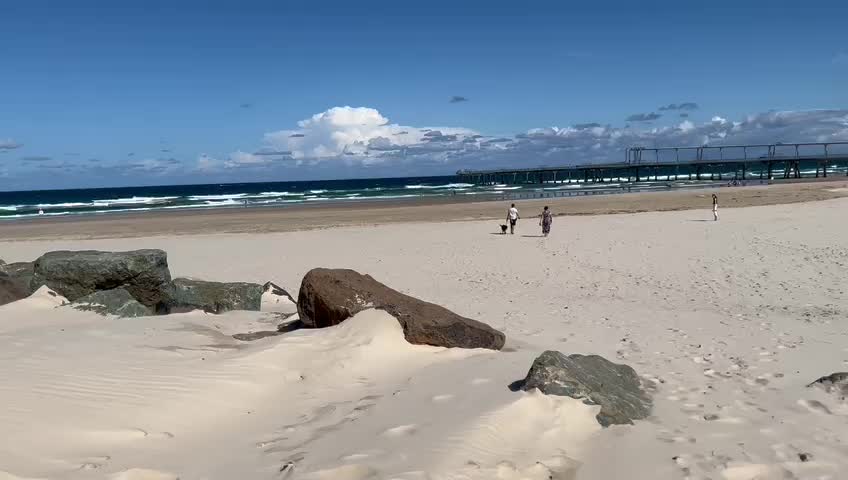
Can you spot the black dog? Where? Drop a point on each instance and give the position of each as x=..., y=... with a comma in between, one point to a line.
x=503, y=229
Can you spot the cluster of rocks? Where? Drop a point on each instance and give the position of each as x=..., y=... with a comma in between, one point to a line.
x=127, y=284
x=139, y=283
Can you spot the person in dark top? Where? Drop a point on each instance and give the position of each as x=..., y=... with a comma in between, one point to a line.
x=545, y=221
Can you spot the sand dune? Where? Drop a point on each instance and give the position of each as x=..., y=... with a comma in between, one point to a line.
x=728, y=320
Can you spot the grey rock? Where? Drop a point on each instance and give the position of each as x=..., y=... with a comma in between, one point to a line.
x=249, y=337
x=21, y=274
x=595, y=380
x=112, y=302
x=329, y=296
x=835, y=382
x=10, y=290
x=213, y=297
x=142, y=273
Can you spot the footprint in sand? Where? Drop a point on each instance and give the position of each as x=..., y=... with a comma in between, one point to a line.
x=143, y=474
x=347, y=472
x=401, y=431
x=815, y=406
x=93, y=463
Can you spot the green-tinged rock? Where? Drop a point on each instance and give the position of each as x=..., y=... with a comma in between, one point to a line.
x=142, y=273
x=213, y=297
x=595, y=380
x=10, y=290
x=112, y=302
x=21, y=274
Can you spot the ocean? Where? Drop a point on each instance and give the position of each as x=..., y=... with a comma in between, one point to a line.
x=15, y=205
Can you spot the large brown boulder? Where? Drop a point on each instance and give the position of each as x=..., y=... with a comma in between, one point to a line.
x=142, y=273
x=330, y=296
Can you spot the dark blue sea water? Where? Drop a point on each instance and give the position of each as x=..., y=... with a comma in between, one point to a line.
x=14, y=205
x=104, y=200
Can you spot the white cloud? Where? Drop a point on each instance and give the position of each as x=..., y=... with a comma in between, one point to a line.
x=239, y=158
x=342, y=138
x=9, y=144
x=205, y=163
x=358, y=135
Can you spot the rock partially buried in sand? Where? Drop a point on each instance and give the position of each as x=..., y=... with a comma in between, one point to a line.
x=330, y=296
x=10, y=290
x=112, y=302
x=835, y=382
x=595, y=380
x=20, y=273
x=214, y=297
x=143, y=273
x=277, y=299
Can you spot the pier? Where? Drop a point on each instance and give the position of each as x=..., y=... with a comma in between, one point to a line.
x=725, y=162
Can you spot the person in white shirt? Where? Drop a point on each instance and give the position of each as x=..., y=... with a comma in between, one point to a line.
x=715, y=207
x=512, y=217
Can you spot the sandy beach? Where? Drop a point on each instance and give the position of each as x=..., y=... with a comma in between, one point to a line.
x=727, y=321
x=446, y=209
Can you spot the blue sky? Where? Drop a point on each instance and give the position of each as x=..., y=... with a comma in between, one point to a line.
x=122, y=93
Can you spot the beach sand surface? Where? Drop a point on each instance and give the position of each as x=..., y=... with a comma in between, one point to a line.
x=726, y=321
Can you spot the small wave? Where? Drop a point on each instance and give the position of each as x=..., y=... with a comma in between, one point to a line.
x=221, y=203
x=51, y=206
x=10, y=208
x=449, y=185
x=279, y=194
x=132, y=201
x=500, y=189
x=217, y=197
x=317, y=192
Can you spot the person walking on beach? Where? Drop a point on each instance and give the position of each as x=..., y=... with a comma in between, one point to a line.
x=715, y=207
x=545, y=221
x=512, y=217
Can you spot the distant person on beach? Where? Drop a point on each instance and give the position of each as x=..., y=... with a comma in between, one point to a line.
x=545, y=220
x=512, y=217
x=715, y=207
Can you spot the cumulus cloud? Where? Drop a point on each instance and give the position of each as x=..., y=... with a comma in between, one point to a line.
x=207, y=163
x=680, y=106
x=458, y=99
x=360, y=135
x=643, y=117
x=583, y=126
x=345, y=137
x=239, y=158
x=9, y=144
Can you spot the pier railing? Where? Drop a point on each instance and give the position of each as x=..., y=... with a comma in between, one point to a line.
x=707, y=162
